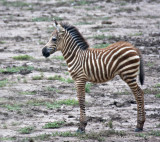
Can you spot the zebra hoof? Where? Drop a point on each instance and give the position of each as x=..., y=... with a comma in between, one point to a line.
x=80, y=131
x=138, y=129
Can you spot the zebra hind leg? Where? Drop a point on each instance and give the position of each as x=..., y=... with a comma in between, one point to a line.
x=139, y=96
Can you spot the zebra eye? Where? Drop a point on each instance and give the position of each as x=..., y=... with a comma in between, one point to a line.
x=54, y=39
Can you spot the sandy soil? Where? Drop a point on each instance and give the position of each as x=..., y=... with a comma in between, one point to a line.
x=25, y=27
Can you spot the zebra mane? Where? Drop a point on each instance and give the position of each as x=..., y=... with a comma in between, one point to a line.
x=76, y=35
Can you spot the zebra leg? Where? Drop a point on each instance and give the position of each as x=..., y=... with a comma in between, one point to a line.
x=80, y=86
x=139, y=96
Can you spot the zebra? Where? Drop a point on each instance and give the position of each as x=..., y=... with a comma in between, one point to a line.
x=87, y=64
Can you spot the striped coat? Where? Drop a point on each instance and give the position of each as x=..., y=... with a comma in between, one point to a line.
x=98, y=65
x=101, y=65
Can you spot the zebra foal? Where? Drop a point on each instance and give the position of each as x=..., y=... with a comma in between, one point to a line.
x=97, y=65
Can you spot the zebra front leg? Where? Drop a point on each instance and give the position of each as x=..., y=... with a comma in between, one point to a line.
x=80, y=86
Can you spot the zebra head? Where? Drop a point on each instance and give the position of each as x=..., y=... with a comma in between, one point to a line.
x=54, y=43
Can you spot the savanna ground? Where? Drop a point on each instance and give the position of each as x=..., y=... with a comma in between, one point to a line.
x=37, y=96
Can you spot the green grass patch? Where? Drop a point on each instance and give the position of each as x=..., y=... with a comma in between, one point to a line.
x=151, y=91
x=23, y=57
x=68, y=102
x=42, y=137
x=143, y=135
x=14, y=107
x=106, y=18
x=99, y=136
x=2, y=99
x=65, y=134
x=96, y=136
x=58, y=77
x=53, y=105
x=136, y=34
x=50, y=78
x=52, y=89
x=16, y=69
x=50, y=29
x=158, y=95
x=15, y=3
x=152, y=16
x=18, y=78
x=25, y=80
x=98, y=46
x=100, y=37
x=87, y=87
x=66, y=73
x=84, y=23
x=15, y=123
x=155, y=133
x=157, y=85
x=63, y=64
x=4, y=126
x=123, y=3
x=57, y=104
x=27, y=93
x=41, y=42
x=52, y=125
x=7, y=138
x=82, y=2
x=35, y=103
x=38, y=77
x=122, y=93
x=93, y=8
x=58, y=58
x=150, y=64
x=2, y=42
x=46, y=19
x=26, y=130
x=3, y=83
x=47, y=137
x=158, y=125
x=110, y=124
x=69, y=80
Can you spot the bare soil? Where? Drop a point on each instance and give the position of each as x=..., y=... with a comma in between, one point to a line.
x=25, y=27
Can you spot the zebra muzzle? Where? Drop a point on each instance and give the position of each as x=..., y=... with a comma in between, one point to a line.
x=45, y=52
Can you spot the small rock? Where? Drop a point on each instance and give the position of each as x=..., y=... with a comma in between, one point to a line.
x=155, y=34
x=154, y=49
x=70, y=116
x=19, y=38
x=5, y=21
x=106, y=22
x=2, y=49
x=108, y=0
x=142, y=48
x=25, y=71
x=117, y=104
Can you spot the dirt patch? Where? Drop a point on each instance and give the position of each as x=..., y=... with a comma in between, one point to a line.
x=38, y=91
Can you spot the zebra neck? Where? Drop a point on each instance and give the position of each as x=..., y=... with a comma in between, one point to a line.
x=72, y=53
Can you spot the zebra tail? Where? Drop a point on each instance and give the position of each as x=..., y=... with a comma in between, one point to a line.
x=141, y=72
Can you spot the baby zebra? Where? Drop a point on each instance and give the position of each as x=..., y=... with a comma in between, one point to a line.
x=97, y=65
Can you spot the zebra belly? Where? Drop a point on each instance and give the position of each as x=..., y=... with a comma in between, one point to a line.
x=96, y=74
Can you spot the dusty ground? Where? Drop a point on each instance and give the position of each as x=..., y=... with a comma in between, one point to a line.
x=25, y=27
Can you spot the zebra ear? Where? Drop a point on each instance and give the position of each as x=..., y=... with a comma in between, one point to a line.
x=61, y=29
x=58, y=26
